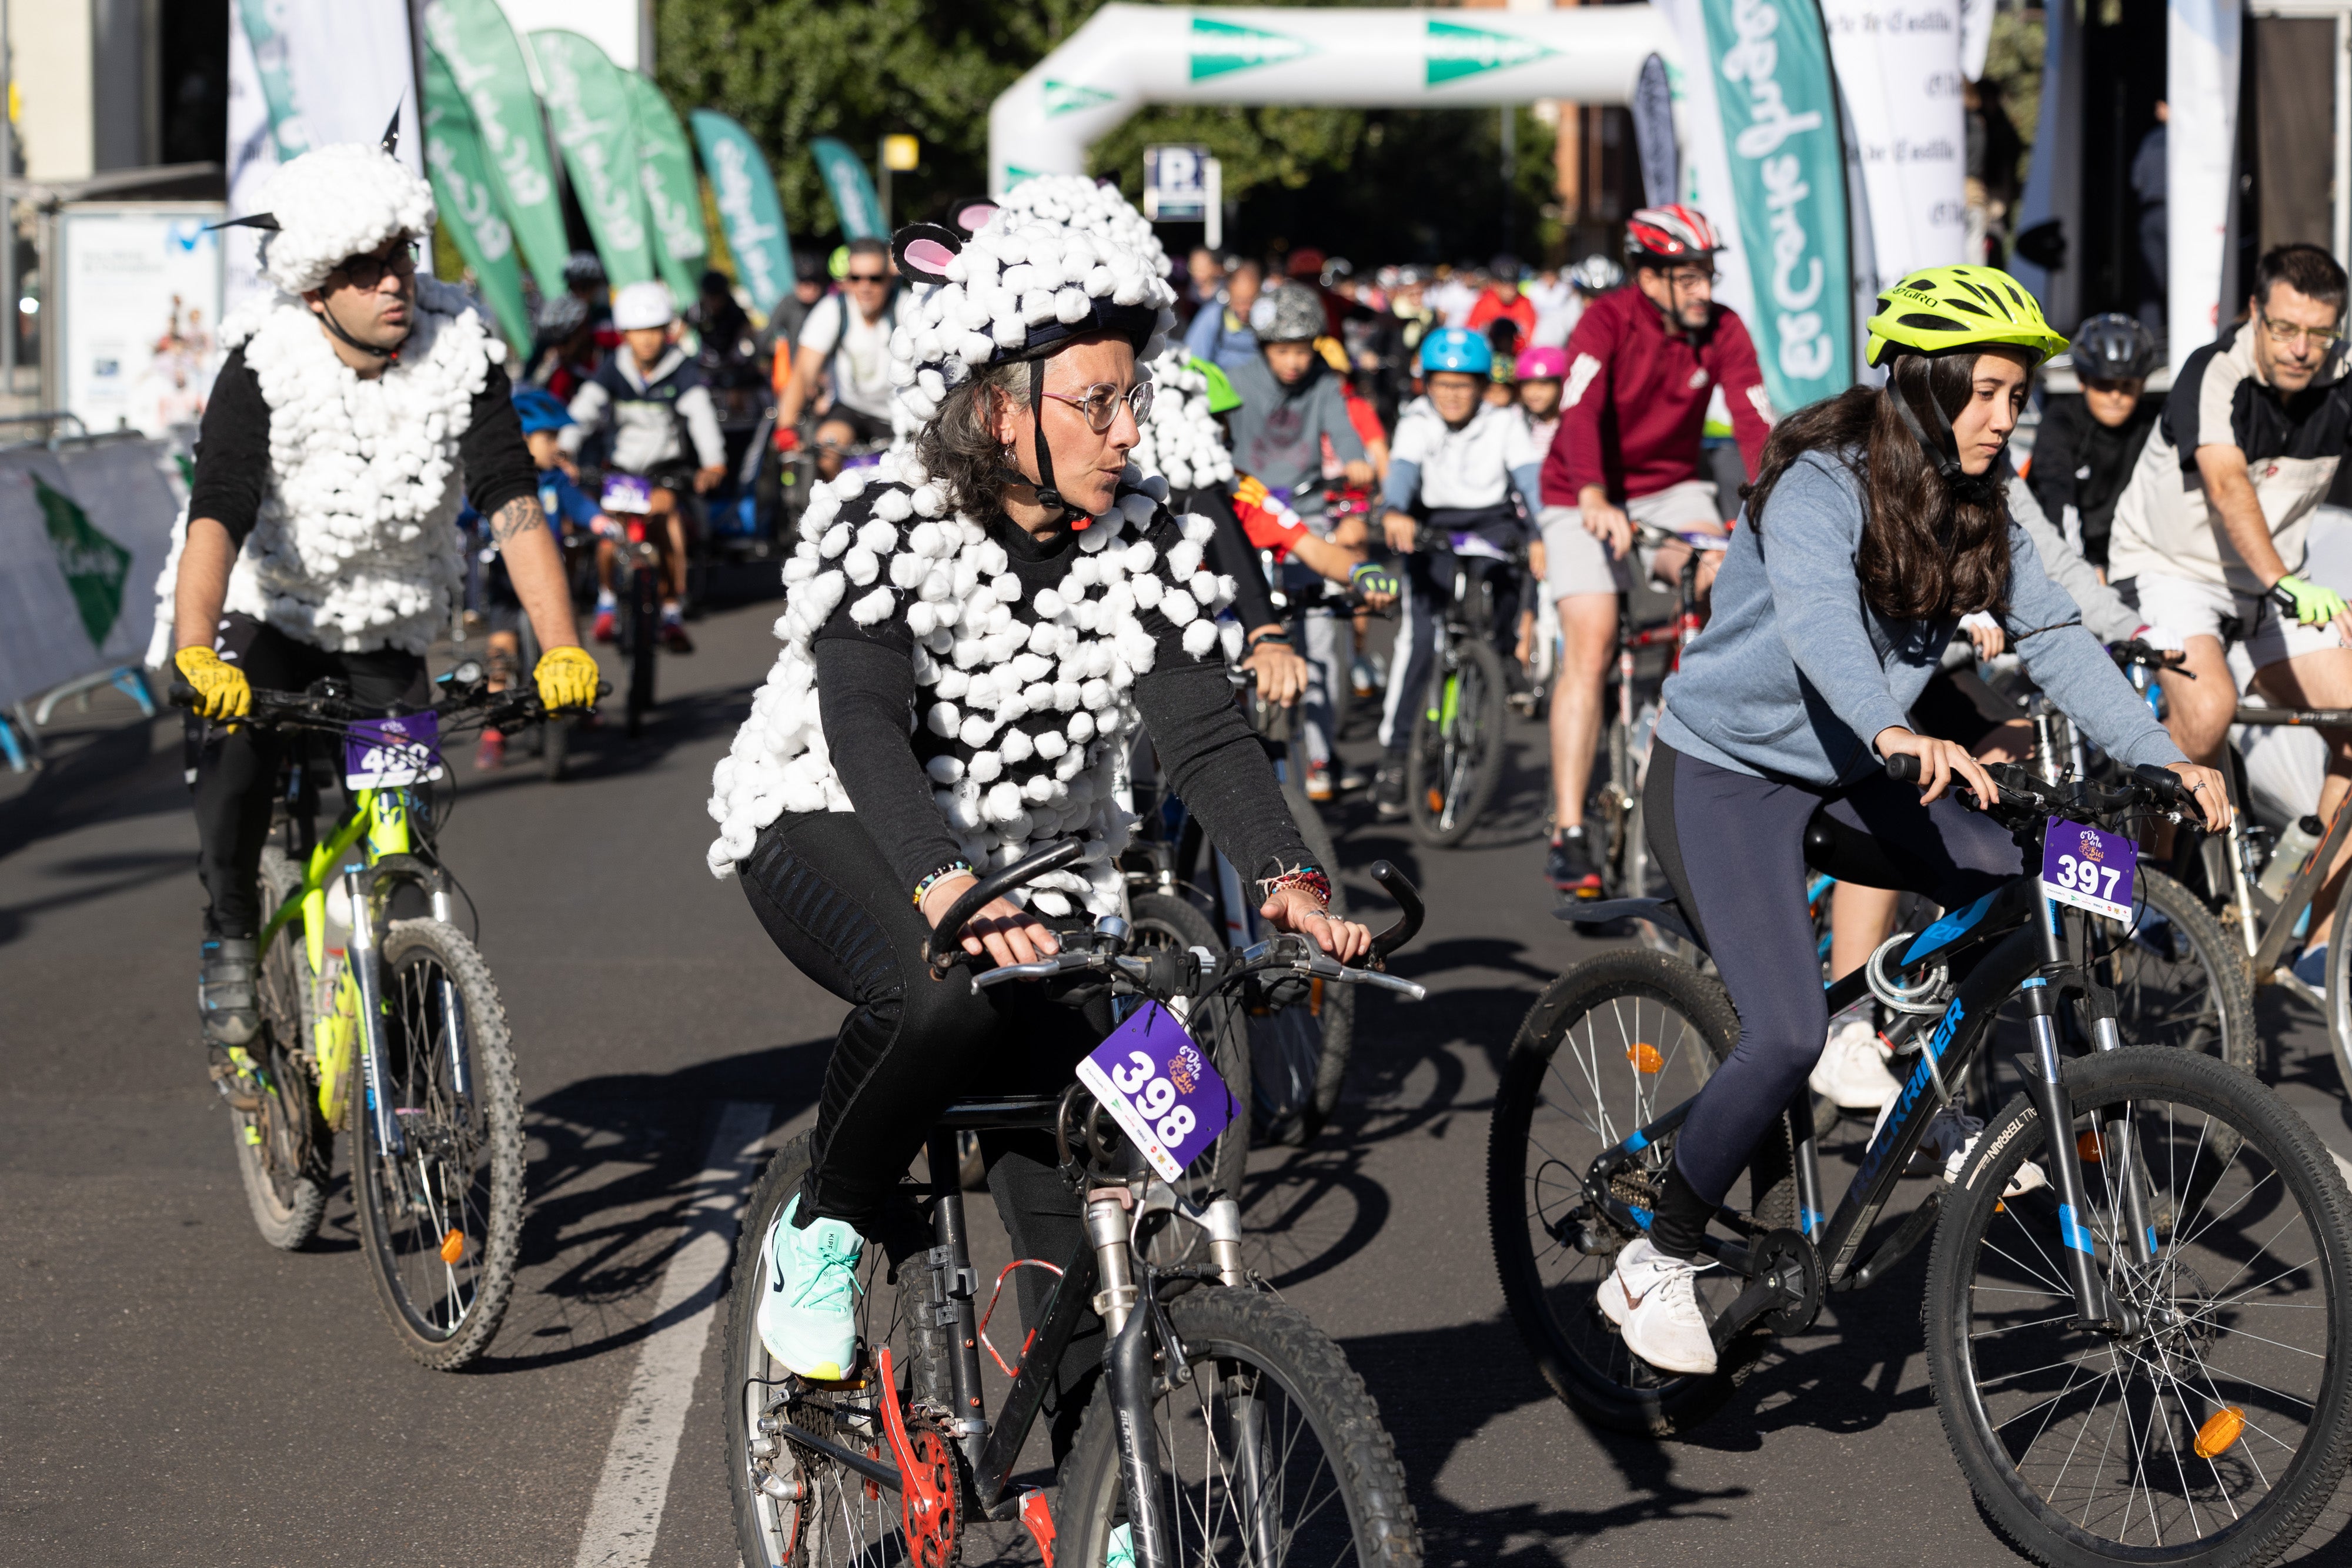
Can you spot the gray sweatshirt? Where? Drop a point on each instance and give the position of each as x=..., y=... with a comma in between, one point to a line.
x=1795, y=671
x=1278, y=431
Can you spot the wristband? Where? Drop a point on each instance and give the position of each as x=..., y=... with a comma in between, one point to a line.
x=953, y=868
x=1276, y=635
x=1306, y=879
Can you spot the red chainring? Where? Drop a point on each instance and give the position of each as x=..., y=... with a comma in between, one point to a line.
x=926, y=1499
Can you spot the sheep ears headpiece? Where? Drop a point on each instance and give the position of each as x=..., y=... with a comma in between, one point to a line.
x=924, y=250
x=968, y=215
x=334, y=203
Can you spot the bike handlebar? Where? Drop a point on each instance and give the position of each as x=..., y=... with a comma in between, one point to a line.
x=988, y=889
x=516, y=705
x=2149, y=784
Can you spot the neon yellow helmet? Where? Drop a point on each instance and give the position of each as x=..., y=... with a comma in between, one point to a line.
x=1940, y=308
x=1223, y=399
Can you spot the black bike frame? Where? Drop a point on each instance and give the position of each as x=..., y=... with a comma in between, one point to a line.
x=2023, y=943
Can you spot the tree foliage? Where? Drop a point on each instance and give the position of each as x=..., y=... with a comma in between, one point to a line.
x=1376, y=184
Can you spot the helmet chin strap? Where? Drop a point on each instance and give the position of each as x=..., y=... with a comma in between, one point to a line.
x=1047, y=496
x=390, y=356
x=1942, y=449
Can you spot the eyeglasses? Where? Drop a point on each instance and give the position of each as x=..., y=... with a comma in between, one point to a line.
x=1689, y=277
x=2287, y=335
x=1100, y=405
x=866, y=276
x=366, y=272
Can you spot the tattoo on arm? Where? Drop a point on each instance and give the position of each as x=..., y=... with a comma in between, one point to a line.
x=518, y=516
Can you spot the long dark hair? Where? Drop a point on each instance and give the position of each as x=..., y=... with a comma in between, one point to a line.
x=1930, y=549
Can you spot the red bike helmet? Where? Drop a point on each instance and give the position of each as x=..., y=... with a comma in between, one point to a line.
x=1679, y=233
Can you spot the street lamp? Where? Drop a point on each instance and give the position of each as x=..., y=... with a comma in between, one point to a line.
x=900, y=154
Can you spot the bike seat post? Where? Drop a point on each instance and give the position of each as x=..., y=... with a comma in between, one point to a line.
x=955, y=1285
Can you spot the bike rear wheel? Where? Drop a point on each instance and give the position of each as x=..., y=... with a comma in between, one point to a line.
x=442, y=1222
x=1456, y=758
x=1611, y=1045
x=2215, y=1429
x=284, y=1148
x=792, y=1505
x=1270, y=1451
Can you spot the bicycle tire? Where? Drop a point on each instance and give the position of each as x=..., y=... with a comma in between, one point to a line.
x=482, y=1142
x=1299, y=1052
x=1277, y=1343
x=1161, y=920
x=772, y=1533
x=2339, y=989
x=284, y=1148
x=555, y=748
x=643, y=638
x=2208, y=1005
x=1465, y=781
x=1574, y=1347
x=2190, y=1335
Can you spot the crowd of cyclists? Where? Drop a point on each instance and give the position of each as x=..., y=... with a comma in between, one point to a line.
x=986, y=606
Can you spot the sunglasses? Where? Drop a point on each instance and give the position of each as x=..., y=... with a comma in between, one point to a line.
x=866, y=276
x=366, y=272
x=1101, y=404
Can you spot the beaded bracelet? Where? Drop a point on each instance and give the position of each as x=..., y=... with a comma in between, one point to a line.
x=1305, y=878
x=953, y=868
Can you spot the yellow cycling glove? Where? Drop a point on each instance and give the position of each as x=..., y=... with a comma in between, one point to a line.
x=222, y=690
x=2314, y=604
x=566, y=678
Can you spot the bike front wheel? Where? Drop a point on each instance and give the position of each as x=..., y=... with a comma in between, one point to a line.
x=1456, y=758
x=2214, y=1426
x=1270, y=1450
x=441, y=1221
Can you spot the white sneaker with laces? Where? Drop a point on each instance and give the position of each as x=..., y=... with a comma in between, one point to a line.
x=1852, y=1072
x=1653, y=1300
x=1948, y=1143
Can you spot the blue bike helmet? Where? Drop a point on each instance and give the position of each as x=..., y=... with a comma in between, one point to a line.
x=1456, y=349
x=540, y=410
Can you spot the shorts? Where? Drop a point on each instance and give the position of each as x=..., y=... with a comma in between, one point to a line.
x=2192, y=609
x=1576, y=562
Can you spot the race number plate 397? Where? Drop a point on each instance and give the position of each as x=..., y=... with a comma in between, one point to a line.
x=383, y=753
x=2089, y=869
x=1158, y=1086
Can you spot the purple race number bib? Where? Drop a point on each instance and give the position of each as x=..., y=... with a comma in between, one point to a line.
x=628, y=493
x=1158, y=1086
x=2089, y=869
x=383, y=753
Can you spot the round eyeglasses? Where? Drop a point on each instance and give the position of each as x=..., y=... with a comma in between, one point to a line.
x=1100, y=404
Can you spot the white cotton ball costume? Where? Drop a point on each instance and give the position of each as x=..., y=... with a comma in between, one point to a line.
x=1024, y=700
x=355, y=546
x=1181, y=441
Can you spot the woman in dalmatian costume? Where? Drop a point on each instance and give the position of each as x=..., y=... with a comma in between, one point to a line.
x=972, y=633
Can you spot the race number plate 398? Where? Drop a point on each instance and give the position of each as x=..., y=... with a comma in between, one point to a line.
x=2089, y=869
x=384, y=753
x=1158, y=1086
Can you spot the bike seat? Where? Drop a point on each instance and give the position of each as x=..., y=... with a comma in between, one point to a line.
x=1664, y=913
x=1838, y=849
x=1001, y=1111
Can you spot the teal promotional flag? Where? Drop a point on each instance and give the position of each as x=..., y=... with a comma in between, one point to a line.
x=459, y=169
x=673, y=200
x=485, y=63
x=745, y=194
x=1777, y=102
x=851, y=187
x=588, y=106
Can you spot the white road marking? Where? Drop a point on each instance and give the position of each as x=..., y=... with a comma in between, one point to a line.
x=2343, y=1166
x=624, y=1516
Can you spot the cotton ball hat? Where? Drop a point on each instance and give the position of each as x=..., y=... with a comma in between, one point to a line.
x=333, y=203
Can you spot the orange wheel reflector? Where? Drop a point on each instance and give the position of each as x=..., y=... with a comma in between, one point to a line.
x=1998, y=1207
x=453, y=1247
x=2089, y=1146
x=1315, y=999
x=1644, y=1057
x=2220, y=1430
x=1437, y=801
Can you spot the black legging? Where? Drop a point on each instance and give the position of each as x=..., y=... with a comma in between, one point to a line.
x=237, y=770
x=911, y=1044
x=1732, y=845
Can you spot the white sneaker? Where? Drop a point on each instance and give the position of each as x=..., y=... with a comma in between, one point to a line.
x=1852, y=1072
x=1950, y=1141
x=1653, y=1302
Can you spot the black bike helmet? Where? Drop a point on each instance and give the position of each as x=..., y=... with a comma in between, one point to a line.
x=2112, y=348
x=582, y=270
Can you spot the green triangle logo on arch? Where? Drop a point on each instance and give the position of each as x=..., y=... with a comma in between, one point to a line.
x=1456, y=51
x=1069, y=97
x=1219, y=47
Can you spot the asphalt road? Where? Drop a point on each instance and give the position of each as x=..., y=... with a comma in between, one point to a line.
x=176, y=1392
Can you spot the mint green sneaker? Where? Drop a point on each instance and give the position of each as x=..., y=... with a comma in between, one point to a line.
x=808, y=1320
x=1122, y=1548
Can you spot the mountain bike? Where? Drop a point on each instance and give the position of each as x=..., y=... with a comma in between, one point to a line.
x=1624, y=859
x=380, y=1020
x=1455, y=759
x=1225, y=1425
x=2137, y=1301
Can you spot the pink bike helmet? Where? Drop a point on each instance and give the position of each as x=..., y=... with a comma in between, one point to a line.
x=1542, y=365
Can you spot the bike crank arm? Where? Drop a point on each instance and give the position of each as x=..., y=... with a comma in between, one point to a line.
x=389, y=1138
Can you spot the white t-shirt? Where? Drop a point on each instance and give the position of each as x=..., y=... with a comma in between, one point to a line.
x=861, y=370
x=1558, y=305
x=1465, y=469
x=1454, y=300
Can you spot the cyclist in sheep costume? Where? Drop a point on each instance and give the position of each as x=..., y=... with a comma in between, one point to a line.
x=973, y=631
